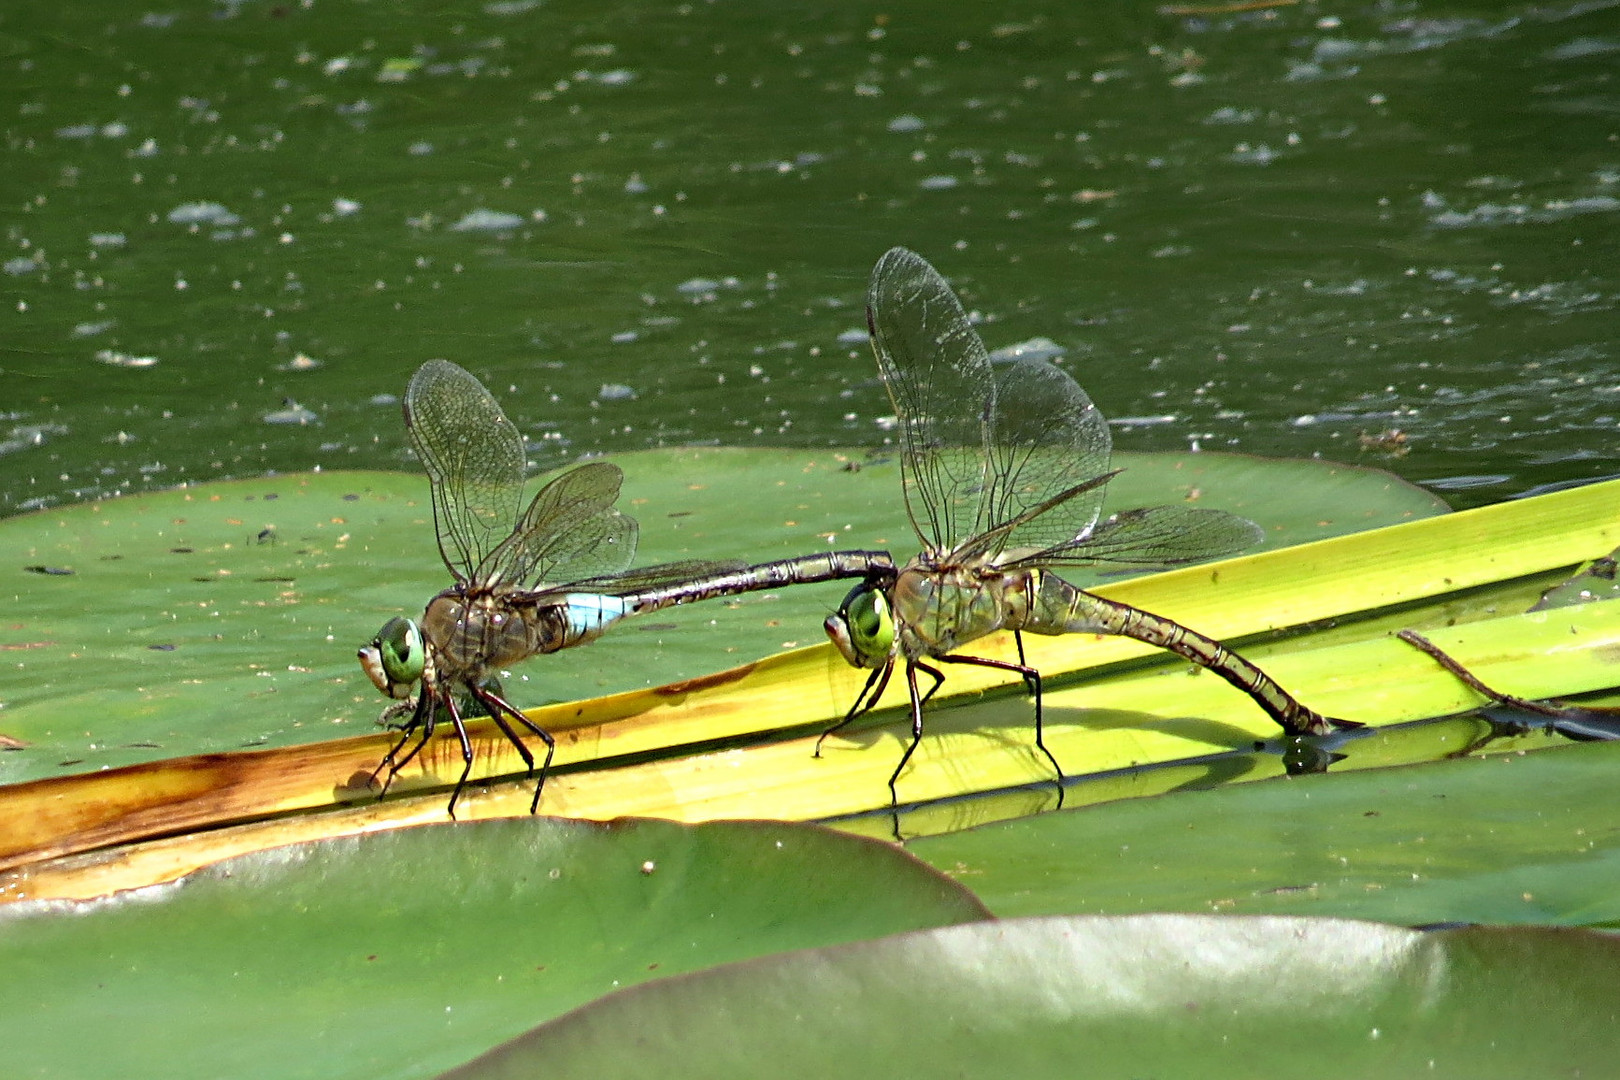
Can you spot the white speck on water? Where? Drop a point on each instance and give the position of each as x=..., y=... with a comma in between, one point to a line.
x=123, y=359
x=624, y=337
x=291, y=413
x=698, y=286
x=615, y=392
x=1583, y=47
x=510, y=7
x=486, y=221
x=421, y=148
x=1244, y=154
x=76, y=131
x=19, y=266
x=107, y=239
x=854, y=336
x=91, y=329
x=906, y=122
x=345, y=207
x=1036, y=348
x=938, y=183
x=202, y=213
x=1228, y=114
x=635, y=185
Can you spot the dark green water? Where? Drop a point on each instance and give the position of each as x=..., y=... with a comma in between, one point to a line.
x=1272, y=230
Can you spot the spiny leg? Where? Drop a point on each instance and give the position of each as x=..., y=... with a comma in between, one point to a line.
x=912, y=667
x=497, y=705
x=1032, y=679
x=421, y=721
x=939, y=681
x=466, y=752
x=865, y=701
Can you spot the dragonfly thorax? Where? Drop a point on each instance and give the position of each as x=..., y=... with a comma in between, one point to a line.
x=469, y=634
x=940, y=609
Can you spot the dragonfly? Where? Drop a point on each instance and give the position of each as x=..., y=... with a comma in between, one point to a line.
x=1004, y=466
x=502, y=607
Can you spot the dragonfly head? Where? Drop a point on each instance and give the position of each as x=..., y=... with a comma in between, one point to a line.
x=862, y=628
x=395, y=659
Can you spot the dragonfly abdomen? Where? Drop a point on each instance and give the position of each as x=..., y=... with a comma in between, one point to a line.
x=588, y=615
x=741, y=578
x=1060, y=608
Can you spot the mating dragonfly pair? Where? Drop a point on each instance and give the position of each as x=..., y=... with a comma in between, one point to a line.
x=1004, y=466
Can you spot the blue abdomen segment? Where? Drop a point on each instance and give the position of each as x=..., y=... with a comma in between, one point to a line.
x=591, y=613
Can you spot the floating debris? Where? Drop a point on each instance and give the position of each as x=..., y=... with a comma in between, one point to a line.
x=291, y=413
x=202, y=213
x=300, y=362
x=615, y=392
x=398, y=69
x=938, y=183
x=906, y=122
x=699, y=289
x=124, y=359
x=487, y=221
x=1036, y=348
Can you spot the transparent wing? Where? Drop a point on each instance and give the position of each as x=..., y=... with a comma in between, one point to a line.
x=474, y=461
x=938, y=375
x=662, y=576
x=1046, y=438
x=1155, y=536
x=570, y=531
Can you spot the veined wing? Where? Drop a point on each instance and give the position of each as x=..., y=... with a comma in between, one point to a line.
x=1155, y=536
x=570, y=531
x=661, y=576
x=995, y=542
x=938, y=375
x=474, y=461
x=1047, y=440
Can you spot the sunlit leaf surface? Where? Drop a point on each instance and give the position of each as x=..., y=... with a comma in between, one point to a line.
x=404, y=953
x=1117, y=999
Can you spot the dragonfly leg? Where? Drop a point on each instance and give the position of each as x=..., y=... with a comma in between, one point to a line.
x=420, y=723
x=496, y=706
x=1032, y=679
x=466, y=753
x=865, y=701
x=939, y=680
x=912, y=666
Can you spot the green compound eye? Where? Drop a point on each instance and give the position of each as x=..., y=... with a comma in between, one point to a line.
x=395, y=659
x=863, y=627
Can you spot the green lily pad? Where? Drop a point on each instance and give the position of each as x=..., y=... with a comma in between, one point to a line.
x=1145, y=996
x=403, y=953
x=227, y=616
x=1509, y=838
